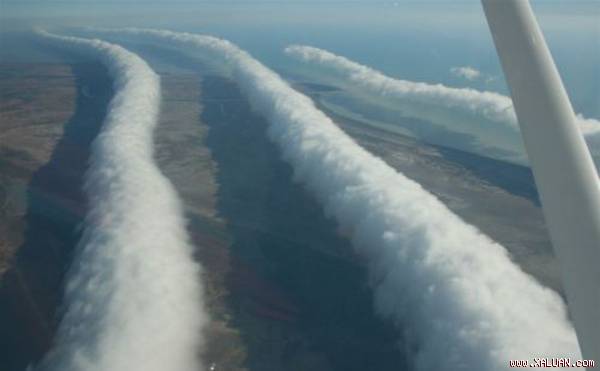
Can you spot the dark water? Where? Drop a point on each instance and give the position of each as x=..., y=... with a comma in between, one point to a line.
x=31, y=291
x=299, y=297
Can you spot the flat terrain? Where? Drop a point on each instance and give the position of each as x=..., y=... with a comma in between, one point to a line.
x=497, y=197
x=297, y=295
x=35, y=102
x=477, y=190
x=283, y=287
x=183, y=156
x=50, y=114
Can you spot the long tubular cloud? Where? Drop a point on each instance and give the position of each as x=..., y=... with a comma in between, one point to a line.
x=494, y=107
x=133, y=297
x=459, y=300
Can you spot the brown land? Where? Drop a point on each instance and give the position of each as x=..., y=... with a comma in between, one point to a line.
x=295, y=291
x=50, y=114
x=183, y=157
x=283, y=288
x=498, y=198
x=35, y=102
x=42, y=124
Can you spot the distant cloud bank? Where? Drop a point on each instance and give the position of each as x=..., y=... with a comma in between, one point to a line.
x=133, y=298
x=457, y=299
x=489, y=116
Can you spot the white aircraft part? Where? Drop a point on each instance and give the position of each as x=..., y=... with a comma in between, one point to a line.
x=565, y=175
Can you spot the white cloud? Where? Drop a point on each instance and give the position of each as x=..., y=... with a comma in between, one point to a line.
x=133, y=298
x=452, y=292
x=466, y=72
x=490, y=116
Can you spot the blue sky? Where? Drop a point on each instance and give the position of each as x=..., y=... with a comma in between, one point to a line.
x=416, y=40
